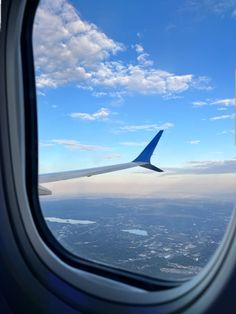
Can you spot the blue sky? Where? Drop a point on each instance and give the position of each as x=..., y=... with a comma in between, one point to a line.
x=110, y=74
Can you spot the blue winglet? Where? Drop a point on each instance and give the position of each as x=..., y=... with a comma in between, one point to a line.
x=146, y=154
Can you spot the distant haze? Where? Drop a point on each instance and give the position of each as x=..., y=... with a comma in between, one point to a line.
x=149, y=185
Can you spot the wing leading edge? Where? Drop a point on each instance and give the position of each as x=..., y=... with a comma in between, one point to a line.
x=143, y=160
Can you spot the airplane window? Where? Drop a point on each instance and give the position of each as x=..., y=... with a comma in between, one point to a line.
x=137, y=166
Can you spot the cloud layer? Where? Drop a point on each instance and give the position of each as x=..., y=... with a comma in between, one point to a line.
x=207, y=167
x=225, y=102
x=70, y=50
x=146, y=127
x=223, y=117
x=101, y=114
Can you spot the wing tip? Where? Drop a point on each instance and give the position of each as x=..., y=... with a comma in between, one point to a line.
x=146, y=154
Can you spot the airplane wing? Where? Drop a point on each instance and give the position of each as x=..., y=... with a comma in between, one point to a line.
x=143, y=160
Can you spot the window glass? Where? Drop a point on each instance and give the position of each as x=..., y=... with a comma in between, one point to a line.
x=110, y=75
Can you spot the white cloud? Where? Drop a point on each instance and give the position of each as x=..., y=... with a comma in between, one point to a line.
x=219, y=102
x=207, y=167
x=199, y=103
x=101, y=114
x=194, y=142
x=70, y=50
x=73, y=144
x=135, y=78
x=44, y=81
x=139, y=48
x=65, y=45
x=222, y=109
x=143, y=59
x=226, y=132
x=202, y=83
x=224, y=102
x=146, y=127
x=223, y=117
x=99, y=94
x=234, y=13
x=40, y=93
x=88, y=88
